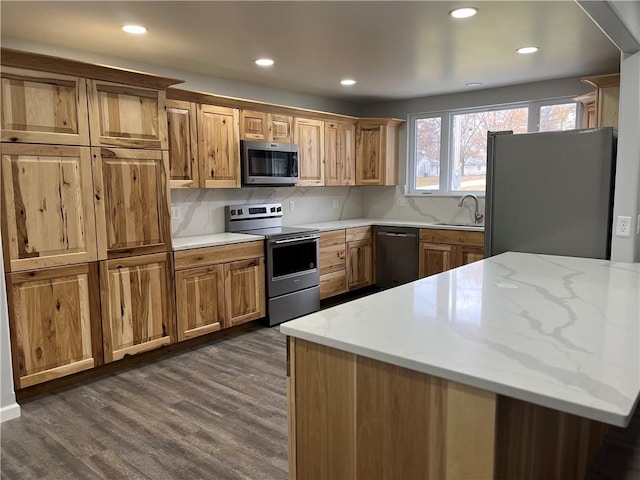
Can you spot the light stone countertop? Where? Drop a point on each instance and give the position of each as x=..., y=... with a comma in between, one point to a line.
x=365, y=222
x=212, y=240
x=561, y=332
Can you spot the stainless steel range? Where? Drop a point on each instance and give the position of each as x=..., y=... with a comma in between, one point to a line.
x=292, y=274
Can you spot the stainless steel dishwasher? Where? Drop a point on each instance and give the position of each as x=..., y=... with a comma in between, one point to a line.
x=396, y=255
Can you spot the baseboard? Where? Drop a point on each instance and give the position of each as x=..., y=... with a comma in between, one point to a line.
x=9, y=412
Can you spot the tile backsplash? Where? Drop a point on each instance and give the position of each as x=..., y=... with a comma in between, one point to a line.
x=201, y=211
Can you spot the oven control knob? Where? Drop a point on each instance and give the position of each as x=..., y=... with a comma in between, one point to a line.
x=279, y=209
x=233, y=212
x=273, y=209
x=240, y=212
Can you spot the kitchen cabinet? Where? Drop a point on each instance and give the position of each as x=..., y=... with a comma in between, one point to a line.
x=137, y=304
x=308, y=134
x=219, y=287
x=131, y=195
x=441, y=250
x=359, y=257
x=333, y=263
x=340, y=153
x=127, y=116
x=47, y=206
x=600, y=107
x=54, y=319
x=266, y=127
x=182, y=133
x=43, y=107
x=218, y=146
x=377, y=151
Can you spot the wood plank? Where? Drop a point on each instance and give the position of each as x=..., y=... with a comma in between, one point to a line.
x=359, y=233
x=452, y=237
x=333, y=258
x=200, y=257
x=333, y=283
x=291, y=407
x=332, y=237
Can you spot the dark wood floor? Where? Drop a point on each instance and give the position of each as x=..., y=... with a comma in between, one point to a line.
x=214, y=412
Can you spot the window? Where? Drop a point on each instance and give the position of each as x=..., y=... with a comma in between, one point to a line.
x=449, y=149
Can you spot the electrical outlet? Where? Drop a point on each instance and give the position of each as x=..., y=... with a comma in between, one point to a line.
x=623, y=226
x=292, y=206
x=401, y=201
x=336, y=203
x=175, y=212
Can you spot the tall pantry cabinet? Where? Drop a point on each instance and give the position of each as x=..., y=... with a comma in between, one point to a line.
x=85, y=214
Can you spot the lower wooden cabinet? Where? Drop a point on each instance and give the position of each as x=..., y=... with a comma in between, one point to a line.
x=54, y=319
x=442, y=250
x=137, y=304
x=359, y=264
x=219, y=287
x=333, y=263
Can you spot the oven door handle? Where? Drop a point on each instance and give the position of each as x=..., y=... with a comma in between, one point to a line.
x=297, y=239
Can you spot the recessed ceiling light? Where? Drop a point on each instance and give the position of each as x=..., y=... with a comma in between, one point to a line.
x=473, y=84
x=264, y=62
x=347, y=82
x=135, y=29
x=464, y=12
x=527, y=50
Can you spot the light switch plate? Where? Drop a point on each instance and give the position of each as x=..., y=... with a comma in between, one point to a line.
x=292, y=206
x=175, y=212
x=336, y=203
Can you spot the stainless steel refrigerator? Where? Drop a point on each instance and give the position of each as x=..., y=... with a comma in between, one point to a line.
x=550, y=192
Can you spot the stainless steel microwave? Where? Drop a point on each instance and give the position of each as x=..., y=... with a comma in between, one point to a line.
x=265, y=163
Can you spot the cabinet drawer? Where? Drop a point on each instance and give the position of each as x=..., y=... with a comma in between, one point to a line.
x=452, y=237
x=332, y=258
x=359, y=233
x=200, y=257
x=333, y=237
x=333, y=283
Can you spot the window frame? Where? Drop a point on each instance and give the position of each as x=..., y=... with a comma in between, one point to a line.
x=446, y=140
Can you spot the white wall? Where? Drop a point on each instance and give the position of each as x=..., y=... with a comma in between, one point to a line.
x=8, y=407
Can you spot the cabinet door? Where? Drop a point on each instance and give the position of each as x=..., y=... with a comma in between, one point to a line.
x=40, y=107
x=126, y=116
x=369, y=155
x=183, y=144
x=332, y=263
x=137, y=304
x=244, y=291
x=339, y=141
x=435, y=258
x=468, y=254
x=359, y=264
x=254, y=125
x=309, y=136
x=200, y=301
x=218, y=147
x=55, y=322
x=280, y=128
x=132, y=201
x=48, y=214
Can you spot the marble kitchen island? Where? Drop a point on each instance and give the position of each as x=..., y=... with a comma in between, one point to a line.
x=510, y=367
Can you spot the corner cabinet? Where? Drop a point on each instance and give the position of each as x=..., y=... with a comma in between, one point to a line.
x=137, y=304
x=377, y=151
x=308, y=134
x=600, y=107
x=55, y=322
x=442, y=250
x=47, y=206
x=218, y=146
x=182, y=133
x=43, y=107
x=340, y=153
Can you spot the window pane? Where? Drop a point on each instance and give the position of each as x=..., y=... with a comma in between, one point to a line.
x=558, y=117
x=469, y=143
x=428, y=153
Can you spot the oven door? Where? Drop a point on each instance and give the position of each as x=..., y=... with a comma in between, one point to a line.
x=292, y=264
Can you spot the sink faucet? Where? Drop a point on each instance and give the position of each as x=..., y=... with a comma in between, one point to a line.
x=478, y=216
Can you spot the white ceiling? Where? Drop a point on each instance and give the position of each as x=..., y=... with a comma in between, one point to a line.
x=393, y=49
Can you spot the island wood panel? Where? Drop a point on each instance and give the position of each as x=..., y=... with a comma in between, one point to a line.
x=308, y=134
x=132, y=201
x=339, y=153
x=534, y=442
x=200, y=301
x=43, y=107
x=125, y=116
x=354, y=417
x=359, y=264
x=219, y=146
x=244, y=291
x=137, y=299
x=452, y=237
x=205, y=256
x=55, y=322
x=48, y=212
x=435, y=258
x=182, y=133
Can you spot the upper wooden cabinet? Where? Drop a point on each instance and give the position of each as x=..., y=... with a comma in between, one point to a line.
x=55, y=322
x=137, y=301
x=126, y=116
x=218, y=146
x=266, y=127
x=376, y=151
x=308, y=134
x=41, y=107
x=600, y=107
x=131, y=196
x=47, y=206
x=340, y=153
x=182, y=133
